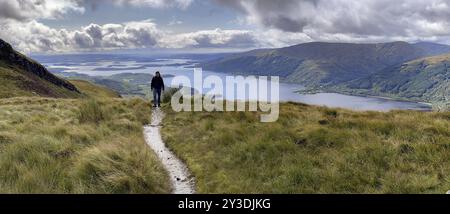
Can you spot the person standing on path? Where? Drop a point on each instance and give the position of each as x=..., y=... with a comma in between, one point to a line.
x=157, y=88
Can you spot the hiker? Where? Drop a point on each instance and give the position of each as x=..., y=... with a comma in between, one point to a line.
x=157, y=86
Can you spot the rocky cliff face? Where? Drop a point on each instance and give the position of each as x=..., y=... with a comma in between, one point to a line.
x=11, y=57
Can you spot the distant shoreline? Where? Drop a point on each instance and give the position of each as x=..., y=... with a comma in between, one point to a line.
x=311, y=91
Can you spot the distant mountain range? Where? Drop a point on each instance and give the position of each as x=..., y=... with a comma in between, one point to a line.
x=21, y=76
x=371, y=69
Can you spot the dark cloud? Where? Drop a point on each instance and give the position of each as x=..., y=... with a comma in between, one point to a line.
x=8, y=10
x=283, y=14
x=361, y=18
x=25, y=10
x=285, y=23
x=95, y=4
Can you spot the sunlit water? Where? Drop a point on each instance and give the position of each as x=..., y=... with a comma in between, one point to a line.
x=106, y=65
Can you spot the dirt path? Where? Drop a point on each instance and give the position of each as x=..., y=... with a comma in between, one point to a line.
x=181, y=180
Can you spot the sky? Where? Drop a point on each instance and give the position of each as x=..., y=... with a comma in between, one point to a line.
x=59, y=26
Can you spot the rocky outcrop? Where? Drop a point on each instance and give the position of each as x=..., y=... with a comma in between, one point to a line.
x=11, y=57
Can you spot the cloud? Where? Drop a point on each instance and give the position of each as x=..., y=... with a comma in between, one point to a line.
x=182, y=4
x=217, y=38
x=286, y=15
x=362, y=18
x=278, y=38
x=175, y=21
x=34, y=36
x=26, y=10
x=271, y=23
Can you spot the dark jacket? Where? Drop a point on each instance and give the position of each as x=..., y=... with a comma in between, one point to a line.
x=158, y=83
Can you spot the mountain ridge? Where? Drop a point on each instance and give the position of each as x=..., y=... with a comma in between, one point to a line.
x=425, y=79
x=22, y=76
x=319, y=62
x=337, y=67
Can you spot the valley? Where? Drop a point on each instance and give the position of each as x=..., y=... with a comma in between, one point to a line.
x=86, y=135
x=354, y=69
x=135, y=83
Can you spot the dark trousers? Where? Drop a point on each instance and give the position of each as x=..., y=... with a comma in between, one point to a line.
x=157, y=96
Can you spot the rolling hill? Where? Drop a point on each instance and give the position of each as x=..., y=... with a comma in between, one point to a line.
x=92, y=144
x=425, y=79
x=369, y=69
x=433, y=49
x=319, y=63
x=21, y=76
x=93, y=90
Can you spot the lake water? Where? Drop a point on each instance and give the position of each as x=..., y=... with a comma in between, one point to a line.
x=106, y=65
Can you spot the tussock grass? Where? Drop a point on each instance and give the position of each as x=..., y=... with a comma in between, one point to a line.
x=91, y=112
x=314, y=150
x=77, y=146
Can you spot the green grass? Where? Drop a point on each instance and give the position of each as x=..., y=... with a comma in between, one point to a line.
x=15, y=82
x=92, y=145
x=313, y=150
x=93, y=90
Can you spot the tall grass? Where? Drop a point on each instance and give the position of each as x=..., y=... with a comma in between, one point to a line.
x=314, y=150
x=77, y=146
x=91, y=112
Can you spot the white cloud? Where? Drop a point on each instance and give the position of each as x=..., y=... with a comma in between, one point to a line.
x=278, y=38
x=34, y=36
x=273, y=24
x=217, y=38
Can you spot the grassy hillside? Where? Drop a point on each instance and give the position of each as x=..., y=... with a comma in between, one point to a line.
x=91, y=145
x=426, y=79
x=314, y=150
x=15, y=82
x=92, y=90
x=22, y=76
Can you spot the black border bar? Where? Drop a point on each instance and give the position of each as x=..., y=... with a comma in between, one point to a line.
x=127, y=203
